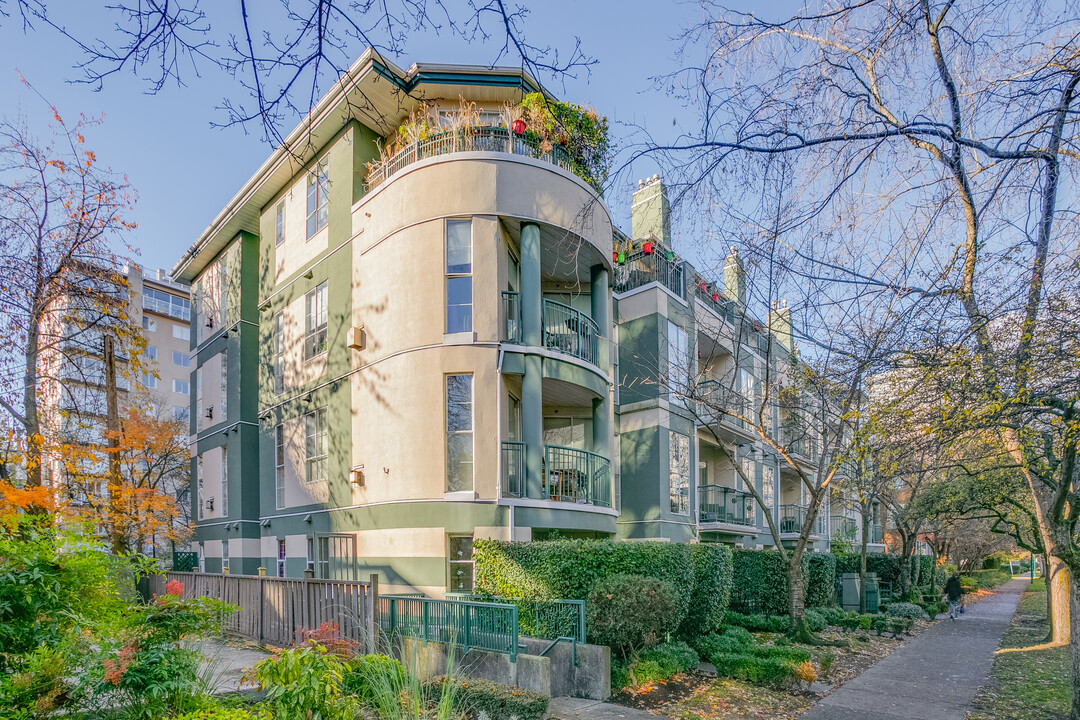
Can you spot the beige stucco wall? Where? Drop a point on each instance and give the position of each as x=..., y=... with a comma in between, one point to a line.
x=297, y=490
x=208, y=387
x=212, y=469
x=297, y=250
x=298, y=372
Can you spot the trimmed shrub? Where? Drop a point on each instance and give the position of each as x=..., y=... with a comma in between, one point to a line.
x=741, y=635
x=904, y=610
x=220, y=712
x=361, y=671
x=665, y=660
x=934, y=608
x=712, y=589
x=759, y=623
x=819, y=578
x=759, y=582
x=631, y=612
x=816, y=620
x=759, y=670
x=833, y=615
x=569, y=569
x=986, y=579
x=500, y=702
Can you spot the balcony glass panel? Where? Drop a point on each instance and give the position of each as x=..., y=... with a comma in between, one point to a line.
x=720, y=504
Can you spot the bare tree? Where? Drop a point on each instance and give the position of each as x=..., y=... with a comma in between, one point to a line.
x=60, y=213
x=943, y=147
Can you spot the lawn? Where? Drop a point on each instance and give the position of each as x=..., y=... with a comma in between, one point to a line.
x=1028, y=685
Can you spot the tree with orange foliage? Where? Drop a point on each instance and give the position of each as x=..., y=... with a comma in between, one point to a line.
x=60, y=214
x=145, y=505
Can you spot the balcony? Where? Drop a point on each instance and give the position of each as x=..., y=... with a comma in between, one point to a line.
x=844, y=528
x=720, y=504
x=658, y=266
x=475, y=139
x=569, y=475
x=799, y=442
x=716, y=398
x=570, y=331
x=793, y=517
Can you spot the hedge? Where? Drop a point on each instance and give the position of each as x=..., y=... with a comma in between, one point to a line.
x=820, y=579
x=476, y=697
x=712, y=589
x=760, y=584
x=568, y=569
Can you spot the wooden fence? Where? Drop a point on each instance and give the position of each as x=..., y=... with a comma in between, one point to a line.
x=277, y=610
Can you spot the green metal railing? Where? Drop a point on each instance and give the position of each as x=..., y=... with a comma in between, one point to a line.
x=542, y=619
x=570, y=331
x=641, y=269
x=468, y=625
x=474, y=139
x=511, y=302
x=792, y=518
x=719, y=504
x=513, y=469
x=715, y=398
x=844, y=527
x=572, y=475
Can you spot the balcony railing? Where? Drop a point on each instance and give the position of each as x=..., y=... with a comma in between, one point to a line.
x=799, y=442
x=569, y=475
x=642, y=269
x=844, y=528
x=580, y=476
x=792, y=518
x=511, y=302
x=716, y=398
x=475, y=139
x=570, y=331
x=720, y=504
x=513, y=469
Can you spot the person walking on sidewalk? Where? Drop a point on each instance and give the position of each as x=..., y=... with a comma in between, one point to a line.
x=953, y=593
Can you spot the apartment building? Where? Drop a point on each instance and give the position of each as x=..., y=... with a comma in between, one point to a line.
x=73, y=404
x=394, y=356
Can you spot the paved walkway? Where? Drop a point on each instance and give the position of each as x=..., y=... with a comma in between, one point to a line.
x=933, y=676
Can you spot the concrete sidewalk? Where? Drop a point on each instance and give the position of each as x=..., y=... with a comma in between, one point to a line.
x=566, y=708
x=933, y=676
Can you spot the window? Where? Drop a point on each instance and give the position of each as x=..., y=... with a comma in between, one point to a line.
x=279, y=465
x=181, y=386
x=224, y=555
x=318, y=197
x=459, y=433
x=151, y=352
x=166, y=304
x=200, y=497
x=149, y=381
x=180, y=359
x=461, y=563
x=281, y=557
x=768, y=487
x=277, y=343
x=315, y=333
x=181, y=332
x=181, y=413
x=678, y=372
x=458, y=276
x=311, y=553
x=679, y=473
x=279, y=223
x=224, y=482
x=315, y=445
x=149, y=324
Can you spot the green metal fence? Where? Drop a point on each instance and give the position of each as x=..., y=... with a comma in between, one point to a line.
x=481, y=625
x=542, y=619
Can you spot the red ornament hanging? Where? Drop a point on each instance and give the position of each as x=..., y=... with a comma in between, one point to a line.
x=716, y=297
x=518, y=127
x=646, y=247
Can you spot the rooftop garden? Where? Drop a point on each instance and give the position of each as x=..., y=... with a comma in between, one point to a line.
x=568, y=135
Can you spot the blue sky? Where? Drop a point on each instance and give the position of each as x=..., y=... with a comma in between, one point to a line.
x=185, y=170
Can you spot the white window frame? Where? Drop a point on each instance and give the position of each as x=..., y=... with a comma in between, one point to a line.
x=279, y=466
x=181, y=332
x=452, y=563
x=316, y=321
x=453, y=433
x=316, y=446
x=678, y=480
x=456, y=274
x=183, y=358
x=277, y=348
x=318, y=210
x=279, y=223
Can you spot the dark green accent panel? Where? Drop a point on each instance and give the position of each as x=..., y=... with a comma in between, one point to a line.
x=639, y=360
x=456, y=517
x=640, y=451
x=557, y=519
x=513, y=363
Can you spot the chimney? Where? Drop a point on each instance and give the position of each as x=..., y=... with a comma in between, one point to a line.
x=650, y=213
x=735, y=277
x=780, y=324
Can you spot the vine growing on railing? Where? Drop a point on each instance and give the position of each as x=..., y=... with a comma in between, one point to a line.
x=548, y=124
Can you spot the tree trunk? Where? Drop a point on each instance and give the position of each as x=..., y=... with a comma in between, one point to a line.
x=796, y=599
x=1058, y=582
x=905, y=565
x=862, y=563
x=1049, y=595
x=31, y=421
x=1074, y=648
